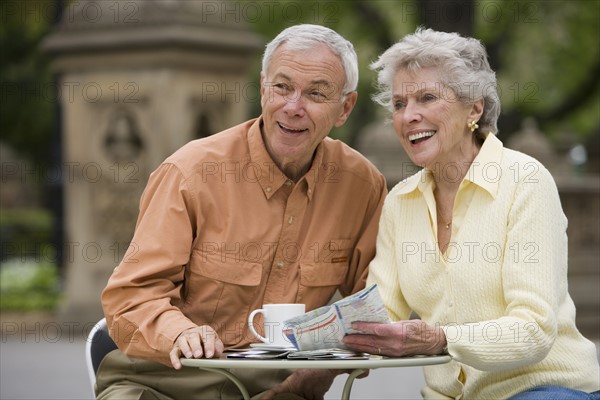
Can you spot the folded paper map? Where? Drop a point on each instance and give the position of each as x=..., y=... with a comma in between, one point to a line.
x=325, y=327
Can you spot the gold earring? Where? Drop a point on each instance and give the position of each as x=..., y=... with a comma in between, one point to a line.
x=473, y=125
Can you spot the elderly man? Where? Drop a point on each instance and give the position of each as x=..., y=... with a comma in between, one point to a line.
x=269, y=211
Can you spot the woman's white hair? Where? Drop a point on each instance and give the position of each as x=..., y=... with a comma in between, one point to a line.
x=307, y=36
x=461, y=62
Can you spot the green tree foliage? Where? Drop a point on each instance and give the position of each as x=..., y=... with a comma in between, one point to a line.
x=546, y=55
x=27, y=92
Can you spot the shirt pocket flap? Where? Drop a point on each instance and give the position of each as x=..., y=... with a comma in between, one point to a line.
x=322, y=274
x=339, y=244
x=335, y=251
x=235, y=272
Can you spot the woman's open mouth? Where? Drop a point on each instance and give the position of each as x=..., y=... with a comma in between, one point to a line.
x=421, y=137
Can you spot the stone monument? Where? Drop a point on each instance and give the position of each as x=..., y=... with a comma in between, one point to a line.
x=378, y=142
x=136, y=80
x=580, y=198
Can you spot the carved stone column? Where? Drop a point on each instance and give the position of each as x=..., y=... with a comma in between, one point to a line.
x=137, y=80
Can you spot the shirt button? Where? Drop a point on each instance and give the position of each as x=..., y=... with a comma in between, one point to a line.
x=450, y=304
x=309, y=192
x=280, y=264
x=268, y=189
x=291, y=219
x=288, y=183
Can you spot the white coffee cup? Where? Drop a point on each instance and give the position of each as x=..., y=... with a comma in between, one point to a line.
x=274, y=316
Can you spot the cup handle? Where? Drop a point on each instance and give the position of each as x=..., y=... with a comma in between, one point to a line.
x=251, y=325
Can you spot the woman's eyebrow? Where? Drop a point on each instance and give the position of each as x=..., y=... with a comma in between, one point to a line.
x=413, y=88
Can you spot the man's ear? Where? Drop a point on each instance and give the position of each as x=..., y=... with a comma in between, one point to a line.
x=263, y=92
x=262, y=87
x=348, y=106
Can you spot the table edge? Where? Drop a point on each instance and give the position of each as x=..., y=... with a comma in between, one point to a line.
x=372, y=363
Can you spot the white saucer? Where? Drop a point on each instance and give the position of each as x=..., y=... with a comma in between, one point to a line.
x=270, y=347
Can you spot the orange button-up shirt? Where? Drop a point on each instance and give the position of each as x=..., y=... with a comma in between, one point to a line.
x=222, y=230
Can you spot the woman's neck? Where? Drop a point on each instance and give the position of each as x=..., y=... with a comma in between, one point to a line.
x=449, y=175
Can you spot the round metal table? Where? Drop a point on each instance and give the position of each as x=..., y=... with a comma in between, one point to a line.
x=221, y=366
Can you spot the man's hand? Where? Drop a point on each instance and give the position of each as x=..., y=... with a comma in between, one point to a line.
x=201, y=341
x=310, y=384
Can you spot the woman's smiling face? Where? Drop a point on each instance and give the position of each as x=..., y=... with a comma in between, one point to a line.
x=430, y=120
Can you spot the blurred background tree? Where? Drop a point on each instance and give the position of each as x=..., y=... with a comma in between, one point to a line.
x=28, y=94
x=546, y=55
x=28, y=118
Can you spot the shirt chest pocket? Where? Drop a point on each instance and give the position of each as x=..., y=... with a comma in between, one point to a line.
x=219, y=291
x=321, y=274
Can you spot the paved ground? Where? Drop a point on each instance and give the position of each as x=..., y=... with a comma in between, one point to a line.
x=39, y=365
x=39, y=369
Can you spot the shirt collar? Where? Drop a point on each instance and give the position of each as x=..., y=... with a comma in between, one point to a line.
x=271, y=177
x=485, y=171
x=421, y=180
x=312, y=176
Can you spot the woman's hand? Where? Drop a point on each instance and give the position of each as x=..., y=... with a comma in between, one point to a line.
x=398, y=339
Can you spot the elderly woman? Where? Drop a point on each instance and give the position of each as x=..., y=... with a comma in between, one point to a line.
x=475, y=243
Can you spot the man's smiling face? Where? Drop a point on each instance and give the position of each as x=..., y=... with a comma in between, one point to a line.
x=302, y=100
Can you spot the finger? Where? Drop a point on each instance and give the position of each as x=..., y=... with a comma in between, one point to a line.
x=209, y=337
x=365, y=327
x=268, y=395
x=377, y=350
x=282, y=387
x=182, y=342
x=360, y=345
x=174, y=356
x=219, y=347
x=358, y=342
x=212, y=341
x=364, y=374
x=195, y=345
x=274, y=391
